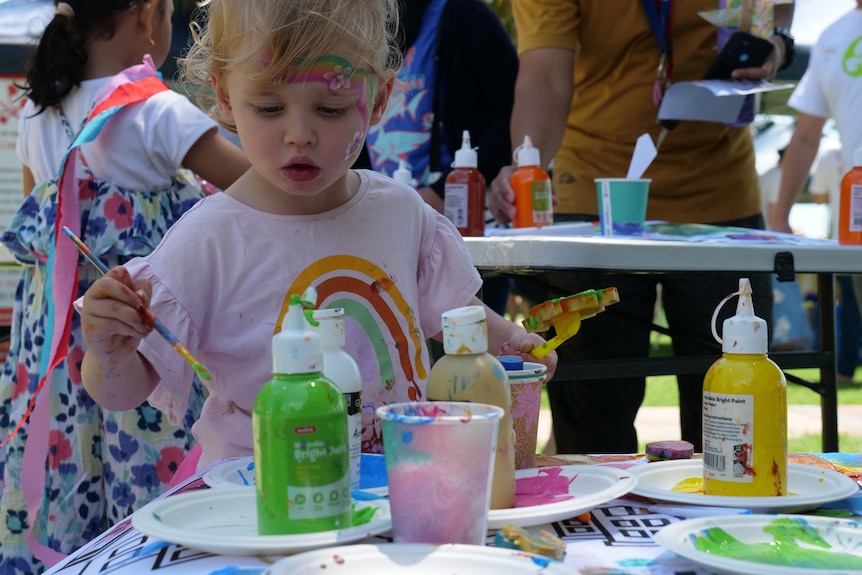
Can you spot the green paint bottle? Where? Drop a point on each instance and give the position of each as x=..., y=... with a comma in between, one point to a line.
x=301, y=455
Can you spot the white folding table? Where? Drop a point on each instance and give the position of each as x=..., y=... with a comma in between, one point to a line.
x=575, y=247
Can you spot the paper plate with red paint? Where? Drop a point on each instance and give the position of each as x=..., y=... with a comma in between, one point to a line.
x=588, y=486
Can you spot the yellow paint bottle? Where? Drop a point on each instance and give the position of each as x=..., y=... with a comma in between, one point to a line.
x=469, y=373
x=744, y=409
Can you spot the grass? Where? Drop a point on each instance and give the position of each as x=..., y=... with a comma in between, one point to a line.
x=662, y=391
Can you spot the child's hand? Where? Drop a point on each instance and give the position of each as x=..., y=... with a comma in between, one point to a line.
x=110, y=322
x=521, y=344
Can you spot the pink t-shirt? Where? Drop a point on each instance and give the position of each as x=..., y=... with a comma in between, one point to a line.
x=223, y=275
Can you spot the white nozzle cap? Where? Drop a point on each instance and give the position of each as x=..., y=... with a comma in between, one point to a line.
x=466, y=157
x=465, y=330
x=743, y=332
x=403, y=173
x=296, y=349
x=526, y=154
x=330, y=326
x=857, y=157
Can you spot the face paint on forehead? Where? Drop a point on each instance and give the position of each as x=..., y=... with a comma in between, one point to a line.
x=337, y=74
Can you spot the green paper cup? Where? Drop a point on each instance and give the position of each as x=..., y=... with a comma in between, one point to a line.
x=622, y=205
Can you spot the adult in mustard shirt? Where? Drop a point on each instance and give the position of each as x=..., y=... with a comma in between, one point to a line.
x=584, y=94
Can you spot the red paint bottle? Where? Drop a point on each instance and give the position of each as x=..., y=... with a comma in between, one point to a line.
x=464, y=192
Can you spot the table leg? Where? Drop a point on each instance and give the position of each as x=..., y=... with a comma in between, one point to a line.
x=828, y=367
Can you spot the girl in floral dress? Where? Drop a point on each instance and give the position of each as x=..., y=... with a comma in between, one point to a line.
x=71, y=469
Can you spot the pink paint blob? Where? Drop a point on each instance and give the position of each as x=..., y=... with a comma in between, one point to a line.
x=548, y=486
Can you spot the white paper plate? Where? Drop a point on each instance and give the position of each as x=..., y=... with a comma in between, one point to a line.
x=811, y=487
x=415, y=559
x=224, y=521
x=592, y=486
x=844, y=537
x=239, y=473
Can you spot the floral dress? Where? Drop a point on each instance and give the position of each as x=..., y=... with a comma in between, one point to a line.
x=101, y=465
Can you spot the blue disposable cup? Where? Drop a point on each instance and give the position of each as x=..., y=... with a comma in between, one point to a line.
x=622, y=204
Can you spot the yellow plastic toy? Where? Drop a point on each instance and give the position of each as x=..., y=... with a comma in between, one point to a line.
x=565, y=315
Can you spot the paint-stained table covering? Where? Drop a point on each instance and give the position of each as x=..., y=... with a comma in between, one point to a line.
x=617, y=538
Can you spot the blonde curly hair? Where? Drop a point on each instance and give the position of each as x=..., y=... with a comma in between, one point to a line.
x=276, y=37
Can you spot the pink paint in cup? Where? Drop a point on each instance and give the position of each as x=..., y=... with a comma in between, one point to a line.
x=439, y=457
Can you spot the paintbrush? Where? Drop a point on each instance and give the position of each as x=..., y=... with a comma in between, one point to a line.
x=143, y=310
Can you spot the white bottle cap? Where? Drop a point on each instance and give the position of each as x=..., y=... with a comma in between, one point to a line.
x=296, y=349
x=466, y=157
x=330, y=326
x=857, y=157
x=465, y=330
x=743, y=332
x=526, y=154
x=403, y=174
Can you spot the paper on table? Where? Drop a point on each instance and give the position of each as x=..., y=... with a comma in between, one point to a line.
x=711, y=100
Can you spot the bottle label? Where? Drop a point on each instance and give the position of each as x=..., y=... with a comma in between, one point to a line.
x=313, y=459
x=855, y=222
x=354, y=435
x=543, y=212
x=455, y=197
x=728, y=437
x=318, y=501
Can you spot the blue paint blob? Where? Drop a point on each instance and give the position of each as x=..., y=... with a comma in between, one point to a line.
x=636, y=562
x=237, y=571
x=542, y=561
x=407, y=437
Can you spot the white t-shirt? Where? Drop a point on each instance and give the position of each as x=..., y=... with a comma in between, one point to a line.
x=141, y=148
x=832, y=84
x=223, y=275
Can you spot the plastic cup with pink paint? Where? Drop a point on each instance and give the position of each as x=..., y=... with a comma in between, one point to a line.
x=526, y=379
x=439, y=458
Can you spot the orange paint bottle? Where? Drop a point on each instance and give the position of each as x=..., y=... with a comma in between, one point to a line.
x=532, y=188
x=850, y=212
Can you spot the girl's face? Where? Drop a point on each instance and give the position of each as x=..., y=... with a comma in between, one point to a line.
x=303, y=134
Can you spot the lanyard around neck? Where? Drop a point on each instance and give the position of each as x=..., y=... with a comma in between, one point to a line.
x=659, y=15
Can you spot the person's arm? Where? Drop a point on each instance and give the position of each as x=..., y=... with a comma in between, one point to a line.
x=782, y=18
x=795, y=167
x=543, y=96
x=113, y=372
x=216, y=159
x=28, y=182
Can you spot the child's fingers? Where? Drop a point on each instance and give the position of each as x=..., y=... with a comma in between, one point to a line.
x=111, y=307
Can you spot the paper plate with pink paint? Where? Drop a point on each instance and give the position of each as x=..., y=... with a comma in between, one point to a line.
x=418, y=559
x=588, y=486
x=224, y=521
x=768, y=544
